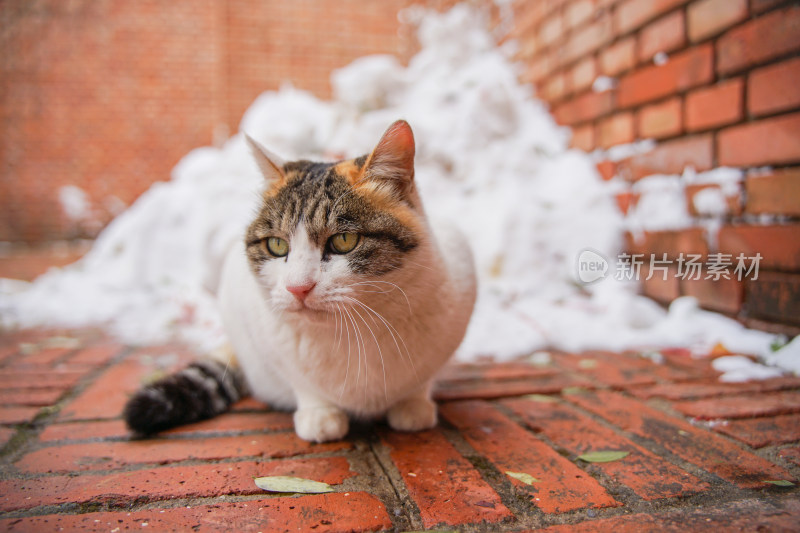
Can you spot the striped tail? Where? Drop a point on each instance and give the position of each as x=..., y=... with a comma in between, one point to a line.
x=200, y=391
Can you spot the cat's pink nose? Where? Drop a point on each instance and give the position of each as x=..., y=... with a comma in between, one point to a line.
x=301, y=291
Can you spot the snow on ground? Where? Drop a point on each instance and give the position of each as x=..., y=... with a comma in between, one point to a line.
x=489, y=156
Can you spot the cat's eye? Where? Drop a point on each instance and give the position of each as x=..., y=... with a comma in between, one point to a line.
x=276, y=246
x=342, y=243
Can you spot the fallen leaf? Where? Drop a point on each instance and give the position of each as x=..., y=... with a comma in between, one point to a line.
x=291, y=484
x=603, y=456
x=522, y=476
x=779, y=482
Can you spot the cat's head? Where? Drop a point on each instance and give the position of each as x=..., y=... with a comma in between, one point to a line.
x=329, y=232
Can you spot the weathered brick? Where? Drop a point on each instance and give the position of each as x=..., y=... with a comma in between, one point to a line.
x=491, y=371
x=664, y=119
x=670, y=157
x=583, y=74
x=235, y=478
x=632, y=14
x=6, y=434
x=481, y=389
x=32, y=397
x=742, y=515
x=690, y=241
x=43, y=357
x=607, y=169
x=701, y=447
x=537, y=68
x=609, y=369
x=774, y=88
x=646, y=474
x=791, y=454
x=444, y=485
x=743, y=146
x=562, y=486
x=779, y=246
x=618, y=57
x=760, y=432
x=583, y=138
x=774, y=296
x=776, y=193
x=707, y=18
x=693, y=390
x=17, y=414
x=555, y=87
x=551, y=30
x=742, y=406
x=39, y=379
x=350, y=511
x=106, y=397
x=112, y=455
x=715, y=105
x=589, y=38
x=578, y=12
x=664, y=35
x=759, y=40
x=661, y=286
x=588, y=106
x=96, y=355
x=725, y=295
x=616, y=129
x=226, y=423
x=683, y=71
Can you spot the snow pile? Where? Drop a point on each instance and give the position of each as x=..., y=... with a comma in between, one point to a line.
x=489, y=156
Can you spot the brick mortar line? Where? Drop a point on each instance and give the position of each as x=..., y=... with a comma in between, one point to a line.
x=654, y=447
x=720, y=492
x=382, y=457
x=525, y=512
x=9, y=474
x=616, y=489
x=17, y=447
x=717, y=483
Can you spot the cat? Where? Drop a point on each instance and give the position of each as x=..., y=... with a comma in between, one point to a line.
x=342, y=301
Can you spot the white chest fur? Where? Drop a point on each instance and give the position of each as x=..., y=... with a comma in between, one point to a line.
x=368, y=353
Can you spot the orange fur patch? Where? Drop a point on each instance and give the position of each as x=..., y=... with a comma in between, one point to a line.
x=349, y=170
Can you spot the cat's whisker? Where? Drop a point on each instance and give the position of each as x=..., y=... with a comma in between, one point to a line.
x=341, y=334
x=393, y=285
x=380, y=353
x=359, y=342
x=392, y=331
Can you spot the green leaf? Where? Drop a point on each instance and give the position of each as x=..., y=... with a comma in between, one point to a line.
x=587, y=364
x=779, y=482
x=603, y=456
x=291, y=484
x=522, y=476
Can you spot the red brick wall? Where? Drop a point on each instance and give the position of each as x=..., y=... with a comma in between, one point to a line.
x=729, y=95
x=109, y=94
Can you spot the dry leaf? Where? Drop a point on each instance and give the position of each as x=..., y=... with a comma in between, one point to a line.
x=603, y=456
x=292, y=484
x=522, y=476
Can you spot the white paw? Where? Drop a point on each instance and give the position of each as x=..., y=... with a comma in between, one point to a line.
x=415, y=414
x=320, y=424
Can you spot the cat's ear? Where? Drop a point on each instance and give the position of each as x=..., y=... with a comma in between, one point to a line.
x=269, y=163
x=392, y=160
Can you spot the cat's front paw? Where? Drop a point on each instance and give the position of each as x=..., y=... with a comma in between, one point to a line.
x=414, y=414
x=320, y=424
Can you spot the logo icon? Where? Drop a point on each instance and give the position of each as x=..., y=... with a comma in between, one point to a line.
x=592, y=266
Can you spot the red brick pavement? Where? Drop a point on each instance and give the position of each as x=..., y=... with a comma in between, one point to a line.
x=702, y=455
